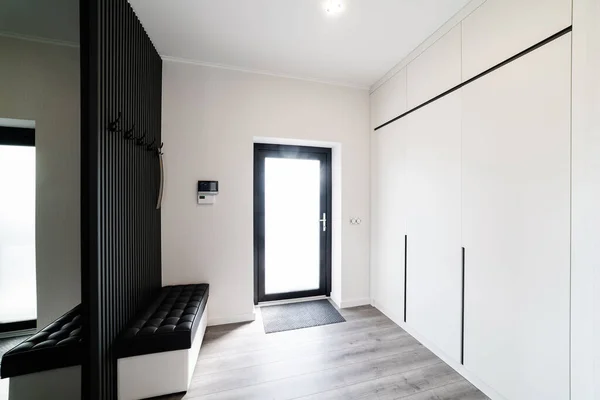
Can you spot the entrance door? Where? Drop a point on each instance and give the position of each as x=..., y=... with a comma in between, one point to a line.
x=292, y=222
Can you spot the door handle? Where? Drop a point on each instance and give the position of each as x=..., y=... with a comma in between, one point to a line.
x=324, y=222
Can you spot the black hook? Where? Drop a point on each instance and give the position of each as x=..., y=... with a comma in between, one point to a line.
x=140, y=141
x=149, y=146
x=113, y=126
x=129, y=133
x=159, y=149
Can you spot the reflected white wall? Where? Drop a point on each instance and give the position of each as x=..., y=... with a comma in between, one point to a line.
x=40, y=82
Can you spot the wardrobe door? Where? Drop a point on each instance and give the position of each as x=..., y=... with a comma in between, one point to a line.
x=389, y=100
x=389, y=217
x=499, y=29
x=434, y=277
x=435, y=70
x=516, y=224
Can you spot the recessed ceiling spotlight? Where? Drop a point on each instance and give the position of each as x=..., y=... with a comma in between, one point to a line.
x=334, y=6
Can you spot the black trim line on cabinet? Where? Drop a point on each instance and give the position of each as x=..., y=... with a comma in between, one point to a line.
x=405, y=271
x=481, y=75
x=462, y=330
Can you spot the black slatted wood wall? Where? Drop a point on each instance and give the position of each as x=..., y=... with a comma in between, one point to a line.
x=121, y=268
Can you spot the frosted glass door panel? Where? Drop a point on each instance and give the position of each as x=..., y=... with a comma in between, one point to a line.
x=292, y=227
x=17, y=234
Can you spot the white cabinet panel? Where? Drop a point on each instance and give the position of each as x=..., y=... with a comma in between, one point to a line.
x=435, y=70
x=499, y=29
x=434, y=281
x=516, y=224
x=388, y=217
x=389, y=100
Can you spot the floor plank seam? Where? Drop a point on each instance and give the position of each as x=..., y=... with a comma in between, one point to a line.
x=405, y=335
x=212, y=335
x=430, y=389
x=373, y=379
x=316, y=340
x=419, y=345
x=275, y=345
x=320, y=371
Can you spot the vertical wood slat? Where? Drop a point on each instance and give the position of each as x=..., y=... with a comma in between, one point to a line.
x=121, y=72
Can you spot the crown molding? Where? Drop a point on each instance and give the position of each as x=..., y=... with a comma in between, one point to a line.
x=261, y=72
x=38, y=39
x=462, y=14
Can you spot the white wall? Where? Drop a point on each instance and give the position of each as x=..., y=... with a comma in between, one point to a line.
x=40, y=82
x=211, y=118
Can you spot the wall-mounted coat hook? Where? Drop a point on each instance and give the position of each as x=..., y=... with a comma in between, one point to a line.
x=159, y=149
x=140, y=141
x=114, y=126
x=129, y=133
x=150, y=147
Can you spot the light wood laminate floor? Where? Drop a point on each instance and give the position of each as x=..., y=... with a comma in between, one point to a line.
x=366, y=357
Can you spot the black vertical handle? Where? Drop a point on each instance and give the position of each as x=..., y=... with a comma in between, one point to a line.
x=405, y=271
x=462, y=332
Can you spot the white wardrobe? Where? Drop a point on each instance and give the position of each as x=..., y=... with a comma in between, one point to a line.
x=485, y=168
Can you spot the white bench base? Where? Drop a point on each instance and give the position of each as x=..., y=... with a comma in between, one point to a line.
x=61, y=383
x=158, y=374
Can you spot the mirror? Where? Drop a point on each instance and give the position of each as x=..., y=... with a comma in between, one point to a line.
x=40, y=261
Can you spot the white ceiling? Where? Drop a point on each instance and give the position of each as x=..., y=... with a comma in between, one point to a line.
x=285, y=37
x=56, y=20
x=295, y=37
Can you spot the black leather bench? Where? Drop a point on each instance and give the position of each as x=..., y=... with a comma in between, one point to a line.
x=169, y=323
x=160, y=345
x=59, y=345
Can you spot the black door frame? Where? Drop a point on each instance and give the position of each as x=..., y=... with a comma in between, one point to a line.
x=13, y=136
x=261, y=151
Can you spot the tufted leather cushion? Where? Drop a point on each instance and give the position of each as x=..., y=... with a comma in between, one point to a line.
x=169, y=323
x=56, y=346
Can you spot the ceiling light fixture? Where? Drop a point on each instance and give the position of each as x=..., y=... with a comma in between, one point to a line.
x=334, y=6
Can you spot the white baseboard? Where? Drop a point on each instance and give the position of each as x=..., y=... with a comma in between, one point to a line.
x=355, y=302
x=234, y=319
x=468, y=375
x=335, y=302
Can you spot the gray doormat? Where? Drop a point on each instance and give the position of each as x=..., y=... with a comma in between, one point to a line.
x=292, y=316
